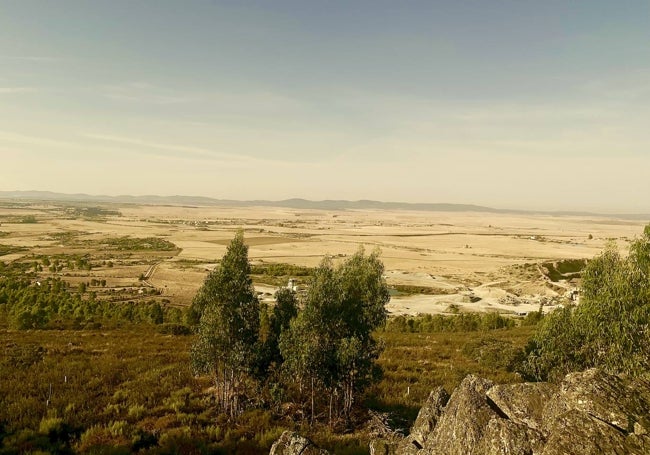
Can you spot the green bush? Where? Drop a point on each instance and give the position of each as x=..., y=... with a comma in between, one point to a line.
x=174, y=329
x=139, y=244
x=608, y=329
x=29, y=219
x=463, y=322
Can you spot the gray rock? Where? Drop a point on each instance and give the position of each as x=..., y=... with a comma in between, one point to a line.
x=380, y=446
x=612, y=399
x=403, y=446
x=640, y=443
x=505, y=437
x=589, y=413
x=409, y=446
x=291, y=443
x=429, y=415
x=578, y=432
x=523, y=403
x=464, y=420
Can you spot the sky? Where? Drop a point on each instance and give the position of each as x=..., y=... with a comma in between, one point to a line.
x=523, y=104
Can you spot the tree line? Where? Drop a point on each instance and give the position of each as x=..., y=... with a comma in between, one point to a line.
x=51, y=303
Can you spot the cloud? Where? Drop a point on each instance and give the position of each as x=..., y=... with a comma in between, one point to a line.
x=32, y=140
x=143, y=92
x=16, y=90
x=186, y=151
x=29, y=58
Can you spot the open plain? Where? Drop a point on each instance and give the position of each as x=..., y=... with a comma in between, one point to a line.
x=436, y=262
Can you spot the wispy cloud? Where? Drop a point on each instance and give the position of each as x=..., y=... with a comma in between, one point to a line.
x=30, y=58
x=144, y=92
x=15, y=90
x=103, y=143
x=17, y=138
x=179, y=150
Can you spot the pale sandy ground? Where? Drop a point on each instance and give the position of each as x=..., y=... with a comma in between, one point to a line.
x=463, y=254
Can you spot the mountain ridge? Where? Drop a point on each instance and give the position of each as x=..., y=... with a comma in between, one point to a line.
x=295, y=203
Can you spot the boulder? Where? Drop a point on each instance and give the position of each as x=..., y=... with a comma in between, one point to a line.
x=612, y=399
x=291, y=443
x=580, y=432
x=505, y=437
x=409, y=446
x=523, y=403
x=464, y=420
x=591, y=412
x=403, y=446
x=380, y=446
x=428, y=416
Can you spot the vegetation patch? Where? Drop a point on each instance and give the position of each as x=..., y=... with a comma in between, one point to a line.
x=131, y=389
x=51, y=303
x=92, y=212
x=463, y=322
x=67, y=238
x=564, y=270
x=426, y=290
x=609, y=328
x=29, y=219
x=278, y=274
x=139, y=244
x=8, y=249
x=281, y=270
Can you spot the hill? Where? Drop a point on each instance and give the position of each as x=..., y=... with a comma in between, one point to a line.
x=294, y=203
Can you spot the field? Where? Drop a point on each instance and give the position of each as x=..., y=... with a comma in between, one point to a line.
x=435, y=261
x=131, y=388
x=99, y=382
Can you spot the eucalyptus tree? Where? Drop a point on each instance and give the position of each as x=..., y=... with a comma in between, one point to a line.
x=329, y=345
x=228, y=329
x=284, y=310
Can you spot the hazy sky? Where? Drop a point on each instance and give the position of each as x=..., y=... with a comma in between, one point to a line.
x=515, y=104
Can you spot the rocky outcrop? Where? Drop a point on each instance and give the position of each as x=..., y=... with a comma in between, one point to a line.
x=429, y=415
x=505, y=437
x=580, y=432
x=588, y=413
x=614, y=400
x=464, y=419
x=523, y=403
x=291, y=443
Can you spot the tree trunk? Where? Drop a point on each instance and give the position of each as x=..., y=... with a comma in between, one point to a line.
x=312, y=400
x=331, y=397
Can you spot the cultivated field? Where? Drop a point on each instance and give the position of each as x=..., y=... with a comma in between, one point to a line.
x=436, y=262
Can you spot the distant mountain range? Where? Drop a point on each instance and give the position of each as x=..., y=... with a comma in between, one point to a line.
x=294, y=203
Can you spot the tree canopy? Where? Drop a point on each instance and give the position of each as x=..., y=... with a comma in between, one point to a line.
x=609, y=328
x=229, y=323
x=330, y=343
x=321, y=342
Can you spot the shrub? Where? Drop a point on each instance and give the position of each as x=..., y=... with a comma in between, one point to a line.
x=174, y=329
x=29, y=219
x=136, y=411
x=610, y=327
x=52, y=427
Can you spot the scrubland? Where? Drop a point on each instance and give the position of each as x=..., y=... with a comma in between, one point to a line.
x=106, y=369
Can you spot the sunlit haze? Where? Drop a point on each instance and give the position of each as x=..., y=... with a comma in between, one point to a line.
x=510, y=104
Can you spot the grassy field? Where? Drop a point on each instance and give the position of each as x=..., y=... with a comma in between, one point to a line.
x=132, y=388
